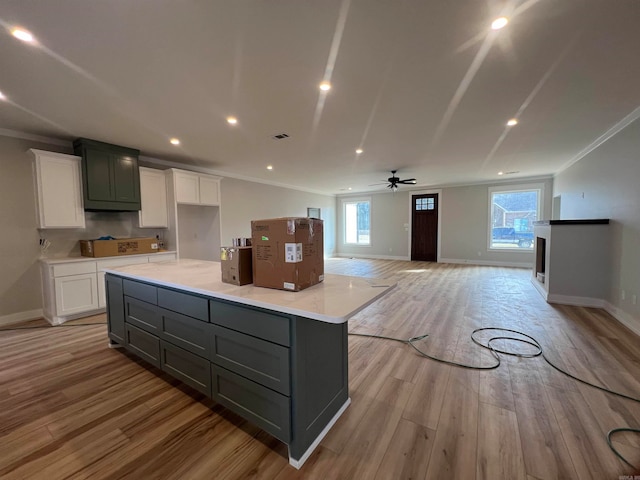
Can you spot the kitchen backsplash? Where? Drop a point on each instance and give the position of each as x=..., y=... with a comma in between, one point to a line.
x=64, y=242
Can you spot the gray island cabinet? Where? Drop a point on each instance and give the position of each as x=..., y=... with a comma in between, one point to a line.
x=278, y=359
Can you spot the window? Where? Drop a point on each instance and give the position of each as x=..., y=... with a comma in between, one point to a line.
x=357, y=221
x=425, y=203
x=512, y=211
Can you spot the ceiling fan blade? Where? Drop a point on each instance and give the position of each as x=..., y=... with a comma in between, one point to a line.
x=374, y=184
x=408, y=181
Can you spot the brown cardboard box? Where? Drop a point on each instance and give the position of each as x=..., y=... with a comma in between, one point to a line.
x=236, y=265
x=122, y=246
x=288, y=253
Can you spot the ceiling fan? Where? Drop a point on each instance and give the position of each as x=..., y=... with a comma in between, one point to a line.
x=394, y=181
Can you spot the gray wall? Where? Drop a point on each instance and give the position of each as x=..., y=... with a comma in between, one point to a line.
x=464, y=217
x=244, y=201
x=20, y=286
x=606, y=184
x=389, y=214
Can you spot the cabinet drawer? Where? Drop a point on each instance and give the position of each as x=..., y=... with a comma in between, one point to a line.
x=267, y=409
x=141, y=291
x=186, y=332
x=187, y=367
x=76, y=268
x=258, y=360
x=142, y=315
x=189, y=304
x=143, y=344
x=255, y=322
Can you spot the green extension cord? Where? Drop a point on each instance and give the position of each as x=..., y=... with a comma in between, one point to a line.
x=496, y=351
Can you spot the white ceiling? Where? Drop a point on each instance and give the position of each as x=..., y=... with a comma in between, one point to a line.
x=423, y=86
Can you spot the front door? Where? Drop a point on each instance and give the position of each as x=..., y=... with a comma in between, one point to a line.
x=424, y=227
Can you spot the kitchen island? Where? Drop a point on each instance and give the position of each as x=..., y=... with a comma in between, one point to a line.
x=277, y=358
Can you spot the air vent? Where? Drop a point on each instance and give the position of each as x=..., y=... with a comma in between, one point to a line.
x=280, y=136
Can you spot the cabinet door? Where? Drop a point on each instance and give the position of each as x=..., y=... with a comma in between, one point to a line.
x=126, y=178
x=99, y=176
x=76, y=294
x=115, y=308
x=209, y=191
x=102, y=297
x=187, y=188
x=58, y=190
x=153, y=196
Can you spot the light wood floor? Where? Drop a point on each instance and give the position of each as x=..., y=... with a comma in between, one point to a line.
x=72, y=408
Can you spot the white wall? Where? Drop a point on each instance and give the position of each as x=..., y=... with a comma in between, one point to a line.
x=606, y=184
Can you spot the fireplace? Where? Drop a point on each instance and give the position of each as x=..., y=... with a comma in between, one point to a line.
x=541, y=251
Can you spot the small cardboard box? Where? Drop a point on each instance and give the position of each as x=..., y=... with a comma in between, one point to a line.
x=288, y=253
x=114, y=248
x=236, y=265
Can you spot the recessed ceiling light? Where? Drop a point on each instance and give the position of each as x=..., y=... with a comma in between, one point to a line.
x=349, y=188
x=325, y=86
x=512, y=122
x=175, y=141
x=232, y=120
x=269, y=167
x=499, y=23
x=500, y=173
x=23, y=35
x=359, y=151
x=2, y=96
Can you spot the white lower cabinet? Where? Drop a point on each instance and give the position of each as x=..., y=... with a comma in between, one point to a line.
x=76, y=294
x=74, y=288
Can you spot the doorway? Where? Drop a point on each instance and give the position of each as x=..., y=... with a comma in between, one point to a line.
x=424, y=227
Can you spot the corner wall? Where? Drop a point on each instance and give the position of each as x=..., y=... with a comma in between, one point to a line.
x=606, y=184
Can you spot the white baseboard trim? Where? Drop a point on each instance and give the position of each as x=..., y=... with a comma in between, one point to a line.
x=298, y=463
x=373, y=257
x=488, y=263
x=21, y=317
x=623, y=317
x=576, y=301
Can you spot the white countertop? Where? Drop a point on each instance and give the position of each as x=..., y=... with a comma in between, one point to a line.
x=335, y=300
x=69, y=259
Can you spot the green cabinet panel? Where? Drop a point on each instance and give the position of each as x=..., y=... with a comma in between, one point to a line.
x=115, y=308
x=110, y=176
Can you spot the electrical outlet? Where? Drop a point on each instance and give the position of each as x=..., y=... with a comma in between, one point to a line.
x=634, y=299
x=623, y=295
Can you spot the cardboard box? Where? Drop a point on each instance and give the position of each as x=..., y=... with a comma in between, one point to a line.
x=236, y=265
x=114, y=248
x=288, y=253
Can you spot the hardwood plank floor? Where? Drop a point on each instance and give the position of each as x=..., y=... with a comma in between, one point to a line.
x=72, y=408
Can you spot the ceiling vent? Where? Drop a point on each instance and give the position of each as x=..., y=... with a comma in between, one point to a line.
x=280, y=136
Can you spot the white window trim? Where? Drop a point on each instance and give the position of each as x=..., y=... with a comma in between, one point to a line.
x=520, y=187
x=344, y=222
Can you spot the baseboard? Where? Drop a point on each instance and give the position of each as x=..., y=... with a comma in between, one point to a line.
x=576, y=301
x=373, y=257
x=21, y=317
x=487, y=263
x=623, y=317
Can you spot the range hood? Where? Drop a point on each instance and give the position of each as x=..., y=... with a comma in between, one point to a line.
x=110, y=176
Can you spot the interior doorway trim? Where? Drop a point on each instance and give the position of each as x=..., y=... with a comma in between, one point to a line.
x=422, y=192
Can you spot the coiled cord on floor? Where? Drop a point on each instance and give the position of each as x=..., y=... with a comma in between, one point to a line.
x=496, y=351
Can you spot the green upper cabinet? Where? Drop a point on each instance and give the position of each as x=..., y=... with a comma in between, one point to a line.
x=110, y=176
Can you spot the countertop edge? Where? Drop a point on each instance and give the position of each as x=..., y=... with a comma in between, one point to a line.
x=56, y=260
x=257, y=303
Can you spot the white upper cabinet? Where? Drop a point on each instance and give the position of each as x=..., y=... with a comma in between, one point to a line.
x=153, y=198
x=196, y=188
x=58, y=188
